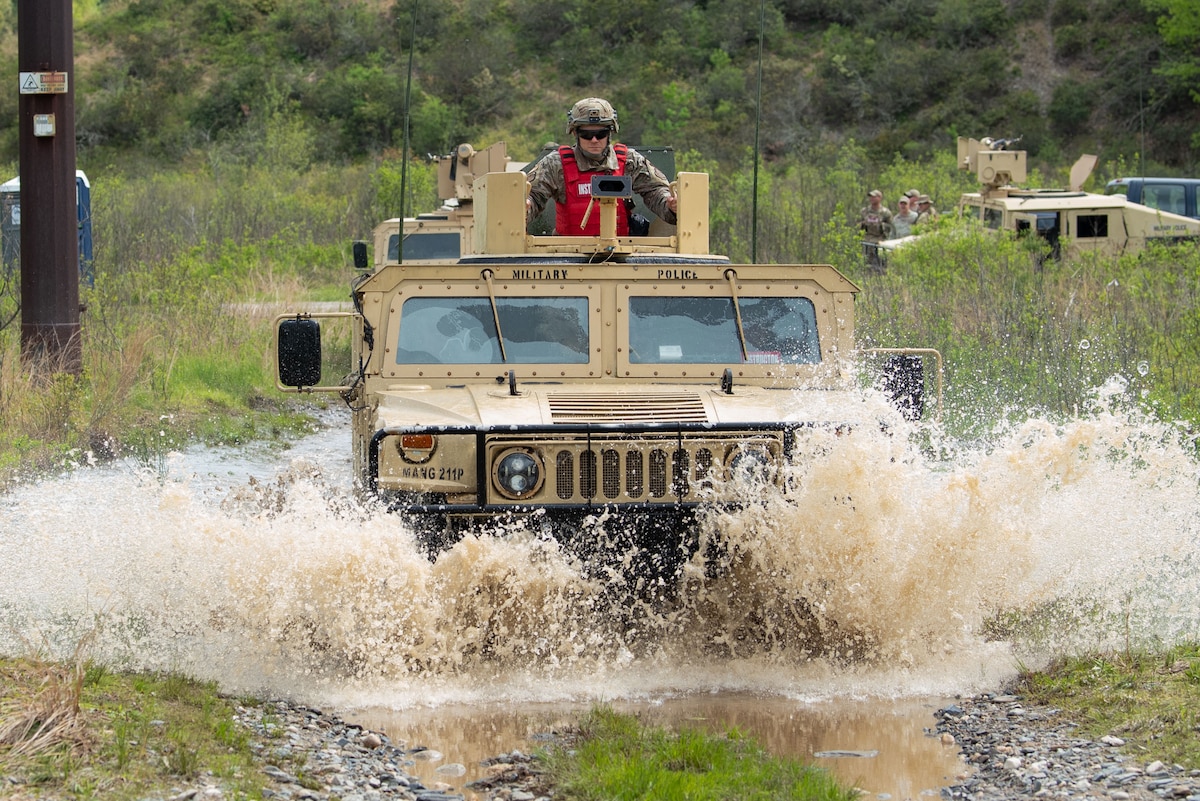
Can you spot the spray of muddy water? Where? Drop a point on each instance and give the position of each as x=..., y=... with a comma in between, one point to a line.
x=886, y=570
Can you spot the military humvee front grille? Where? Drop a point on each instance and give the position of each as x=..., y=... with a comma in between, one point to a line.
x=679, y=474
x=704, y=463
x=587, y=474
x=594, y=467
x=649, y=408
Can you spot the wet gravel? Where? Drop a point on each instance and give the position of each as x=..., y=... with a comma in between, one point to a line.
x=1010, y=751
x=312, y=756
x=1016, y=751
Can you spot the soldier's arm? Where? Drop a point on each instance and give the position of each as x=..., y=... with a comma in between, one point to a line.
x=652, y=185
x=545, y=183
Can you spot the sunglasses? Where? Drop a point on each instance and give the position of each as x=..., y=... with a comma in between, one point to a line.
x=601, y=133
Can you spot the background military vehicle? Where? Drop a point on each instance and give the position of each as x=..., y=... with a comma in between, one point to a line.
x=447, y=233
x=1067, y=218
x=551, y=379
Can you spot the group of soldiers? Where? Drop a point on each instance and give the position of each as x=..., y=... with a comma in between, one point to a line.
x=879, y=223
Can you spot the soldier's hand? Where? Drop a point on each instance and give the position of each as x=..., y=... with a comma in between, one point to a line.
x=672, y=202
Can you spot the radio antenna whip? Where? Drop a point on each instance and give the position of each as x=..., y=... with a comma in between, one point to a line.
x=412, y=39
x=762, y=16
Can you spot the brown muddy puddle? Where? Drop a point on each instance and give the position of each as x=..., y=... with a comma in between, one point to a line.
x=882, y=746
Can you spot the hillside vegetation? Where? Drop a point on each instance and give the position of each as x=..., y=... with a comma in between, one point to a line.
x=163, y=80
x=237, y=147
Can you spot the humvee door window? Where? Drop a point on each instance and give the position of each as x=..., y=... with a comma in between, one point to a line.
x=1165, y=197
x=1091, y=226
x=666, y=330
x=463, y=331
x=993, y=218
x=439, y=245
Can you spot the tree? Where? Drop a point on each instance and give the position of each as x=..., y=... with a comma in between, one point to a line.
x=1179, y=25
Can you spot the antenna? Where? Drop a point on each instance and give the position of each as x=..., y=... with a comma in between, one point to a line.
x=762, y=15
x=412, y=38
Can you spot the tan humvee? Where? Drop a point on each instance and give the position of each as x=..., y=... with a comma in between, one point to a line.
x=1066, y=218
x=1082, y=221
x=559, y=377
x=445, y=234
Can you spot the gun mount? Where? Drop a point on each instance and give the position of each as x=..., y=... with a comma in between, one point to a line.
x=993, y=164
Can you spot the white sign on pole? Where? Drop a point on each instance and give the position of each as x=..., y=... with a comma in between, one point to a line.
x=43, y=83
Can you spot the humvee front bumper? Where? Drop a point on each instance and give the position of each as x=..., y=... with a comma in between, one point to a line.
x=473, y=470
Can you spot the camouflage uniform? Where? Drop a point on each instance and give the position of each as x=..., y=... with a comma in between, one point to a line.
x=548, y=184
x=928, y=214
x=875, y=223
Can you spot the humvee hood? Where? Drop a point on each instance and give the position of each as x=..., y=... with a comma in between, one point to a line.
x=546, y=404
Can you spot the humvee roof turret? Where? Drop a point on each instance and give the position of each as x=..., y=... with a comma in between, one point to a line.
x=558, y=377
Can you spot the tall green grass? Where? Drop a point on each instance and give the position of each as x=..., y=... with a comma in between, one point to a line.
x=176, y=329
x=1024, y=334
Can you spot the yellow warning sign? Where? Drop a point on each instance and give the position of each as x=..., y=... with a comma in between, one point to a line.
x=43, y=83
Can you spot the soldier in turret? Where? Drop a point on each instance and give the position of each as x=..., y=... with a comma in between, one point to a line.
x=565, y=175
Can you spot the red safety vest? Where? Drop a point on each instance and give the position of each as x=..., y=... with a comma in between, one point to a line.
x=578, y=190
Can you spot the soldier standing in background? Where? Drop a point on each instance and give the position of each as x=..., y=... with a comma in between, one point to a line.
x=565, y=175
x=903, y=219
x=875, y=220
x=926, y=213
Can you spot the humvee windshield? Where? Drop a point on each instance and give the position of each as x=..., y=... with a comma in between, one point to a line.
x=463, y=331
x=704, y=331
x=554, y=330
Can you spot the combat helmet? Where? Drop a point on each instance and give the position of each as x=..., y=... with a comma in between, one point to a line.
x=592, y=111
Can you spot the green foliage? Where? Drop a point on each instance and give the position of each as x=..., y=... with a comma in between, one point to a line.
x=174, y=351
x=1023, y=334
x=1179, y=26
x=616, y=758
x=1071, y=106
x=169, y=78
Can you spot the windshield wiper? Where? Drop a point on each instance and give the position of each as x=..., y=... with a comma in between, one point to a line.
x=737, y=313
x=487, y=277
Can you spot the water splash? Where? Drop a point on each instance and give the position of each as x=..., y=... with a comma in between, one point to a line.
x=886, y=569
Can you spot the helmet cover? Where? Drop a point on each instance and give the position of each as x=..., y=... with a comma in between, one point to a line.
x=591, y=111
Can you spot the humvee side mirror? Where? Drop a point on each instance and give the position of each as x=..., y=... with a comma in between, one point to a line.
x=299, y=353
x=359, y=249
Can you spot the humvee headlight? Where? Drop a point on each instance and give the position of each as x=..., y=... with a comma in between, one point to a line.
x=517, y=474
x=750, y=463
x=416, y=448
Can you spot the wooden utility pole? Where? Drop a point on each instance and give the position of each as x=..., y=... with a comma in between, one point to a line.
x=50, y=331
